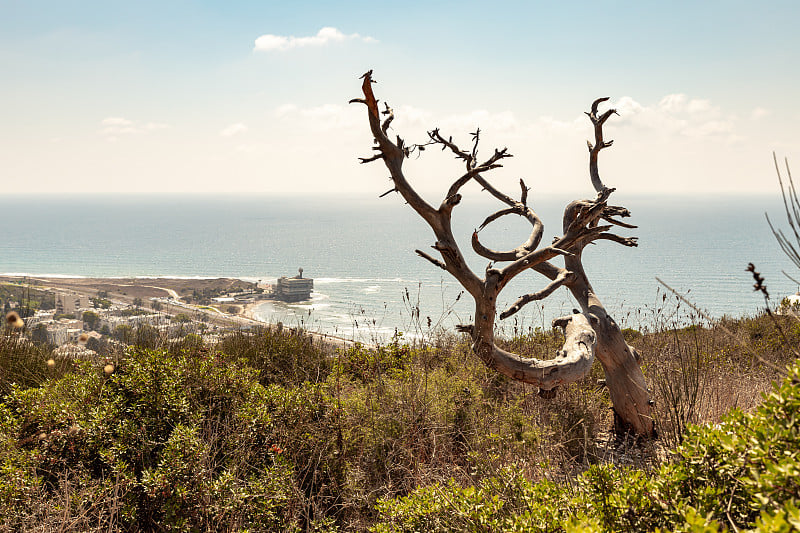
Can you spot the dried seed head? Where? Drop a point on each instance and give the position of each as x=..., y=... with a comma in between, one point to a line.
x=83, y=338
x=51, y=363
x=108, y=369
x=14, y=320
x=42, y=435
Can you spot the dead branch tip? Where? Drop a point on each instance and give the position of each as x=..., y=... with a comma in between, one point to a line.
x=594, y=104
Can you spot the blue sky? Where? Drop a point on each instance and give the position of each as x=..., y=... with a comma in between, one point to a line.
x=178, y=97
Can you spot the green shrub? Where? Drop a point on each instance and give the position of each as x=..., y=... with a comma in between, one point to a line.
x=22, y=362
x=280, y=357
x=743, y=473
x=168, y=441
x=268, y=432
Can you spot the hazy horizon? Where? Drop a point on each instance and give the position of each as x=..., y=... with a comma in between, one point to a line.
x=251, y=97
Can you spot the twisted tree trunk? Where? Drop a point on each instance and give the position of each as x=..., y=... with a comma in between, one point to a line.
x=590, y=333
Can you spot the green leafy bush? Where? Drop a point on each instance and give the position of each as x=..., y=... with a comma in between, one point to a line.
x=267, y=432
x=178, y=441
x=742, y=473
x=280, y=357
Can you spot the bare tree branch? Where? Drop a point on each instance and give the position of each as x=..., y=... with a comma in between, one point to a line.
x=599, y=143
x=523, y=199
x=562, y=278
x=618, y=222
x=625, y=241
x=386, y=123
x=587, y=333
x=370, y=159
x=431, y=259
x=436, y=138
x=392, y=154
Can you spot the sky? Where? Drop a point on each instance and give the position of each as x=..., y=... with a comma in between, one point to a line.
x=252, y=96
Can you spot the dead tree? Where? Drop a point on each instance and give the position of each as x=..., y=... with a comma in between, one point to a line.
x=589, y=333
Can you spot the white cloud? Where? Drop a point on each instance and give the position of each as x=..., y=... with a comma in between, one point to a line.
x=410, y=122
x=113, y=127
x=319, y=118
x=675, y=116
x=285, y=109
x=698, y=106
x=678, y=115
x=628, y=106
x=233, y=129
x=552, y=124
x=413, y=116
x=116, y=121
x=327, y=35
x=759, y=112
x=496, y=122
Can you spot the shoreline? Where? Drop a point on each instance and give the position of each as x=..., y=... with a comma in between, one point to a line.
x=125, y=289
x=247, y=312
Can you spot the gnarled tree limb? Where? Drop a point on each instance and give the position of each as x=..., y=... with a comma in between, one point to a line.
x=589, y=333
x=572, y=362
x=551, y=287
x=599, y=143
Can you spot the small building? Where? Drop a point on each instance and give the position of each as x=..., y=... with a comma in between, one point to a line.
x=294, y=289
x=68, y=302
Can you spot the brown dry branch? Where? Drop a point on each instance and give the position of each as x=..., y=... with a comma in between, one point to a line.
x=588, y=334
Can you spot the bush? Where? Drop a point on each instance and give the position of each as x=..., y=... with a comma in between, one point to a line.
x=176, y=441
x=280, y=357
x=267, y=431
x=22, y=362
x=742, y=473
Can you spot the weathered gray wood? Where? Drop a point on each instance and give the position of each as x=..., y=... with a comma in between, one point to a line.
x=570, y=364
x=589, y=334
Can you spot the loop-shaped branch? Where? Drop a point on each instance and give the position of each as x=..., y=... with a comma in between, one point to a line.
x=572, y=361
x=581, y=226
x=520, y=251
x=460, y=182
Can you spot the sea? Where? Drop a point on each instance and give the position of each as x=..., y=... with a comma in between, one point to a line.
x=368, y=282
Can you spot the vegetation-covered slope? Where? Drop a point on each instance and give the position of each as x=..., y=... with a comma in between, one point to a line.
x=265, y=432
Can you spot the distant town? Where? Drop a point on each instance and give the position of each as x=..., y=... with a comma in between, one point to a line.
x=83, y=317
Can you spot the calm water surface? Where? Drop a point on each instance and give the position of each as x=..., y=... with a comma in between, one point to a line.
x=361, y=252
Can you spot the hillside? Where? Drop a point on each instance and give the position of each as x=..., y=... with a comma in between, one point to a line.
x=266, y=432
